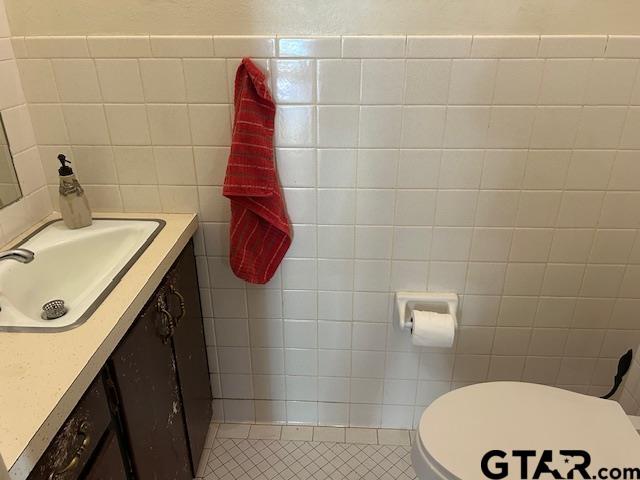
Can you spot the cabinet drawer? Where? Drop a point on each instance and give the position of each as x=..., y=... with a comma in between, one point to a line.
x=76, y=440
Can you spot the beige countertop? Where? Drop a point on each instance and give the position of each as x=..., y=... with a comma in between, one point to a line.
x=43, y=375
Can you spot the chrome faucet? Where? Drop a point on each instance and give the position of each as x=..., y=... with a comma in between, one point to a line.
x=21, y=255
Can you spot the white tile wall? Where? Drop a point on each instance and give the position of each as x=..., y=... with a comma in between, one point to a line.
x=503, y=168
x=35, y=203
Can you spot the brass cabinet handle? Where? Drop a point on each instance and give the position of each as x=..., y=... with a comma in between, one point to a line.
x=183, y=308
x=75, y=461
x=168, y=323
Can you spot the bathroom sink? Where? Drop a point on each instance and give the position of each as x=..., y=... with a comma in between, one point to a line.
x=79, y=267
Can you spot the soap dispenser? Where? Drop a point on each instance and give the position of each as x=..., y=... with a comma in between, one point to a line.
x=74, y=205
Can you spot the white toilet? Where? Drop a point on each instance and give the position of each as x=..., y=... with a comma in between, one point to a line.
x=458, y=429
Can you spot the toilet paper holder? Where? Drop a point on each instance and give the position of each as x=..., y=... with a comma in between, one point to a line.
x=440, y=302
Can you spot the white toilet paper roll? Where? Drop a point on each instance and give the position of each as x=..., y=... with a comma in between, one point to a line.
x=431, y=329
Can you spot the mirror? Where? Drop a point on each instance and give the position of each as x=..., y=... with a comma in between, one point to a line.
x=9, y=185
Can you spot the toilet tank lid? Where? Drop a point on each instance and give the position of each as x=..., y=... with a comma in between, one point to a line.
x=459, y=428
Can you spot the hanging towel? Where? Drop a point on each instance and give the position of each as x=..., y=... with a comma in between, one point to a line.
x=260, y=233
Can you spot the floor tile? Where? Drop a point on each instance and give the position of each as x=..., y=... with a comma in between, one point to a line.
x=291, y=432
x=249, y=459
x=367, y=436
x=393, y=437
x=328, y=434
x=265, y=432
x=233, y=430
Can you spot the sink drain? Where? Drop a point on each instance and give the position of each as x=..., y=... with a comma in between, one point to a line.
x=53, y=309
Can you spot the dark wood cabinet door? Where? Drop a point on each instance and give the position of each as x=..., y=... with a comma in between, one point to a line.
x=151, y=406
x=108, y=464
x=190, y=351
x=72, y=447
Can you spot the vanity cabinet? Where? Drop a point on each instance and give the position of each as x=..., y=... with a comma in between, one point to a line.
x=147, y=414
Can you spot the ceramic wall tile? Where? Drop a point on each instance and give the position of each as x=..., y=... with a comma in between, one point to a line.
x=499, y=167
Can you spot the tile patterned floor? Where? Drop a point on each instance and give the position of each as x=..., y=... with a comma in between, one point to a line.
x=243, y=452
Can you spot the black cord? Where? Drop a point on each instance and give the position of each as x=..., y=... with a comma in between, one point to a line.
x=623, y=367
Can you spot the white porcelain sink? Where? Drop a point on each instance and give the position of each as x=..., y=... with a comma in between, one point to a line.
x=80, y=267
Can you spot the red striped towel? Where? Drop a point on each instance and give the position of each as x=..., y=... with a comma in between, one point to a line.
x=260, y=231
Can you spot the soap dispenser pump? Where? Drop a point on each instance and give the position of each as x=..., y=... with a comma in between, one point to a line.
x=74, y=205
